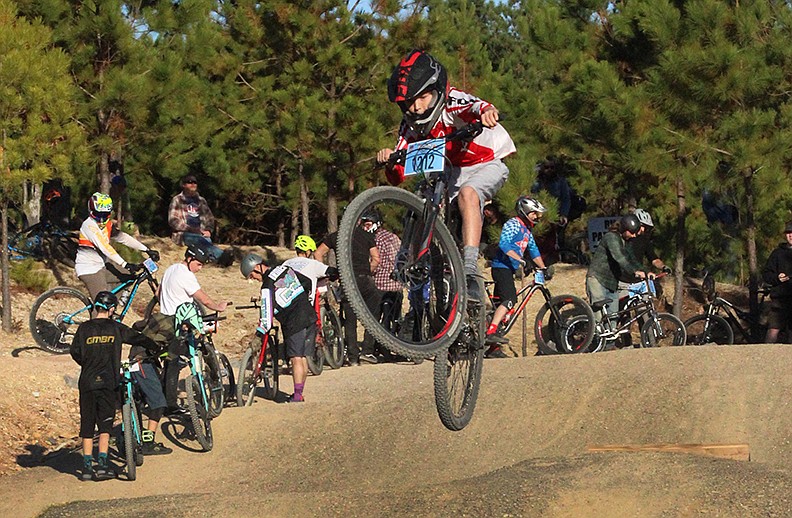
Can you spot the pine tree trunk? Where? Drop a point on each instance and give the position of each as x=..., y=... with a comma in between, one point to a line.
x=281, y=232
x=4, y=267
x=681, y=238
x=332, y=202
x=306, y=220
x=295, y=226
x=750, y=225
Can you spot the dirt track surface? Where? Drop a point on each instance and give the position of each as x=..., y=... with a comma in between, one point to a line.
x=368, y=442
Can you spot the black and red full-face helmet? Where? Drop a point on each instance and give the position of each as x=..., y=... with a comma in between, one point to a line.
x=416, y=73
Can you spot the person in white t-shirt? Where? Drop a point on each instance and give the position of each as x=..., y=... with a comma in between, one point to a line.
x=304, y=247
x=180, y=285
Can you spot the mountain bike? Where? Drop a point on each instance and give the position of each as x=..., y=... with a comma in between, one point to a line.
x=217, y=371
x=429, y=267
x=316, y=360
x=721, y=319
x=57, y=313
x=330, y=329
x=656, y=330
x=131, y=424
x=204, y=396
x=43, y=241
x=258, y=365
x=552, y=321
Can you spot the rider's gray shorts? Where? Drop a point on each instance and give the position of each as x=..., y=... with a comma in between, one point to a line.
x=486, y=179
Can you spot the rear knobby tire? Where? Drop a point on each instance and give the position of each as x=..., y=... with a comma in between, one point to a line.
x=317, y=358
x=246, y=385
x=333, y=336
x=553, y=337
x=457, y=372
x=48, y=318
x=213, y=380
x=439, y=276
x=708, y=329
x=199, y=414
x=667, y=331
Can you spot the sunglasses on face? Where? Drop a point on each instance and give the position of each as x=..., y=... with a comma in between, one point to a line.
x=191, y=183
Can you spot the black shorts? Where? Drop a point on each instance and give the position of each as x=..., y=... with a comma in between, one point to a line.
x=97, y=410
x=150, y=385
x=301, y=343
x=504, y=287
x=780, y=313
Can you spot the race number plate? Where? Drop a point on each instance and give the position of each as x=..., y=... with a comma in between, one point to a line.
x=150, y=265
x=425, y=157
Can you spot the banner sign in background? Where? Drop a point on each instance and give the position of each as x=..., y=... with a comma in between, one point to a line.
x=597, y=228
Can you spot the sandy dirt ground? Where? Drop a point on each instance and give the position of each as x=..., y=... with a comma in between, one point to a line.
x=368, y=441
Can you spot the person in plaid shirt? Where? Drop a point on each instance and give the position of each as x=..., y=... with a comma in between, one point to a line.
x=388, y=245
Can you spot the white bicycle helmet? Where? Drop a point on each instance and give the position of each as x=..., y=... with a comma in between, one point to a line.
x=644, y=217
x=526, y=205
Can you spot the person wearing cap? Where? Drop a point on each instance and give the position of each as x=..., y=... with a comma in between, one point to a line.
x=191, y=220
x=776, y=274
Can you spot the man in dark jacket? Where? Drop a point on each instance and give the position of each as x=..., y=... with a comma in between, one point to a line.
x=776, y=273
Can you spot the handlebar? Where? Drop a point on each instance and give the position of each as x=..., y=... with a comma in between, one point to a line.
x=468, y=132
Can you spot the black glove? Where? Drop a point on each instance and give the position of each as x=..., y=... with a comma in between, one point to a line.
x=133, y=268
x=332, y=273
x=154, y=255
x=667, y=270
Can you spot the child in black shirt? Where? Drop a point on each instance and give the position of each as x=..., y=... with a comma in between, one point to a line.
x=97, y=349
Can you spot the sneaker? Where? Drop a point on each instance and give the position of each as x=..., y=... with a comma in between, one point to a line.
x=155, y=448
x=104, y=472
x=495, y=339
x=497, y=352
x=291, y=399
x=350, y=362
x=176, y=411
x=87, y=472
x=368, y=358
x=474, y=294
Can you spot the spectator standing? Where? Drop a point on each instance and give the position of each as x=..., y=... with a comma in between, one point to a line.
x=365, y=259
x=192, y=221
x=776, y=273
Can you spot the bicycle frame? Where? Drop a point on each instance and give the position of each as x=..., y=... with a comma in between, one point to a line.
x=195, y=361
x=733, y=316
x=128, y=391
x=135, y=282
x=523, y=297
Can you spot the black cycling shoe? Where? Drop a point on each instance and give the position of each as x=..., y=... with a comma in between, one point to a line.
x=155, y=448
x=474, y=293
x=495, y=339
x=176, y=411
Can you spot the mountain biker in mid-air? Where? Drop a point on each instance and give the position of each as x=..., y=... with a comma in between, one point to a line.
x=432, y=109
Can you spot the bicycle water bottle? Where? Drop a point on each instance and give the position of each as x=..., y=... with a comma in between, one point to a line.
x=124, y=298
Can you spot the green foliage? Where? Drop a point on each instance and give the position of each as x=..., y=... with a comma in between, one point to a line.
x=28, y=275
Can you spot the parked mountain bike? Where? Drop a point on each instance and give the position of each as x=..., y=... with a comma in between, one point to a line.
x=657, y=329
x=331, y=330
x=43, y=241
x=204, y=383
x=721, y=320
x=217, y=371
x=429, y=267
x=57, y=313
x=131, y=423
x=553, y=319
x=259, y=365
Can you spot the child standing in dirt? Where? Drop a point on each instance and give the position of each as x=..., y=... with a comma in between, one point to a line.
x=97, y=349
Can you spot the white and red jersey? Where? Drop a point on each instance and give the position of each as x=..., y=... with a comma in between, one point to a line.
x=460, y=110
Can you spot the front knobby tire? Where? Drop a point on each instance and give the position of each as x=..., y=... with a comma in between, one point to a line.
x=55, y=316
x=130, y=446
x=457, y=372
x=708, y=329
x=316, y=360
x=229, y=383
x=248, y=380
x=436, y=275
x=199, y=414
x=213, y=380
x=667, y=331
x=333, y=337
x=567, y=333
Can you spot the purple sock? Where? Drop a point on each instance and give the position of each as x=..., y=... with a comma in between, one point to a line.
x=298, y=388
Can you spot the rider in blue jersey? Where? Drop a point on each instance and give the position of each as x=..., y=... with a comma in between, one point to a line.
x=516, y=237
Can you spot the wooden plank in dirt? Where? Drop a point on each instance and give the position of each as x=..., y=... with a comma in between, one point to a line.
x=739, y=451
